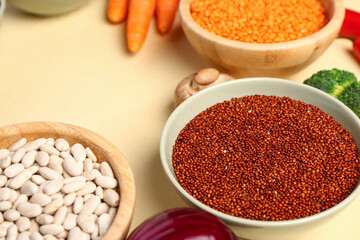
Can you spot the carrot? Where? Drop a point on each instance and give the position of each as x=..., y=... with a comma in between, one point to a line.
x=117, y=10
x=165, y=11
x=138, y=22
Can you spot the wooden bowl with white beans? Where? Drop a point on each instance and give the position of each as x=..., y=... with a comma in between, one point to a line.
x=60, y=181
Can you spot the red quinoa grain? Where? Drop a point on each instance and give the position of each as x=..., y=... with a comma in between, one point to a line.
x=266, y=158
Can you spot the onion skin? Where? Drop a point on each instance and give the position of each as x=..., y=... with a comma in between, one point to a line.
x=181, y=224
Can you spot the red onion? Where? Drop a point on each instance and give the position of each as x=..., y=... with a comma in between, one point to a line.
x=181, y=224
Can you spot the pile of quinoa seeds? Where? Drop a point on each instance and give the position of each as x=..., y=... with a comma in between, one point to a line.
x=266, y=158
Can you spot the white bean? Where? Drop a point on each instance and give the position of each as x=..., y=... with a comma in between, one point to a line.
x=24, y=236
x=90, y=205
x=34, y=226
x=73, y=186
x=18, y=155
x=22, y=177
x=3, y=180
x=50, y=150
x=41, y=199
x=4, y=194
x=91, y=175
x=53, y=186
x=5, y=205
x=1, y=218
x=5, y=162
x=4, y=153
x=50, y=237
x=73, y=167
x=97, y=165
x=29, y=210
x=73, y=179
x=13, y=196
x=44, y=219
x=29, y=158
x=78, y=151
x=29, y=188
x=34, y=145
x=112, y=212
x=87, y=223
x=60, y=215
x=90, y=154
x=52, y=229
x=53, y=206
x=13, y=170
x=75, y=234
x=70, y=221
x=11, y=215
x=61, y=144
x=23, y=224
x=95, y=233
x=88, y=164
x=3, y=231
x=42, y=158
x=36, y=236
x=88, y=188
x=55, y=163
x=106, y=170
x=69, y=199
x=12, y=232
x=101, y=209
x=50, y=142
x=106, y=182
x=49, y=173
x=104, y=222
x=78, y=204
x=21, y=198
x=37, y=179
x=99, y=192
x=18, y=144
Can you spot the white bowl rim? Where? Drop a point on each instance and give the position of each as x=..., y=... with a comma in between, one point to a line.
x=335, y=21
x=243, y=221
x=2, y=7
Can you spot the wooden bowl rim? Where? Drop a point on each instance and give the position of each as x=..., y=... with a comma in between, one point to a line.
x=122, y=171
x=333, y=25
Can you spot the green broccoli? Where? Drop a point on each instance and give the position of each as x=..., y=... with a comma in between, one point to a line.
x=351, y=97
x=332, y=81
x=340, y=84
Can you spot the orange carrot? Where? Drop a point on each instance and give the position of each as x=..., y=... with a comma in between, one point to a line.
x=138, y=22
x=165, y=14
x=117, y=10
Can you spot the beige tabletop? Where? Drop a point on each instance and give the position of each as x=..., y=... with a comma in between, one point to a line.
x=76, y=69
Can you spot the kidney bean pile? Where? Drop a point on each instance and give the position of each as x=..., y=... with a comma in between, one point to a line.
x=266, y=158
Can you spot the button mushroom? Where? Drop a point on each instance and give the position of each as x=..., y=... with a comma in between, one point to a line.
x=197, y=81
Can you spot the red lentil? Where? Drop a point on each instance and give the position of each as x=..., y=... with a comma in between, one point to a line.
x=260, y=21
x=266, y=158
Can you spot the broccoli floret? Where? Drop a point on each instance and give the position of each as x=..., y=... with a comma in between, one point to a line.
x=332, y=81
x=351, y=97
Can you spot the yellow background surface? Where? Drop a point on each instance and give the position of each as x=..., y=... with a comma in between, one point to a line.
x=76, y=69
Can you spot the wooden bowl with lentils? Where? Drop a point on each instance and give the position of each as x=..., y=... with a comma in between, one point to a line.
x=261, y=38
x=272, y=158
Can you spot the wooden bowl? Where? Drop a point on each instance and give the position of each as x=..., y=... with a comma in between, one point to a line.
x=243, y=59
x=104, y=151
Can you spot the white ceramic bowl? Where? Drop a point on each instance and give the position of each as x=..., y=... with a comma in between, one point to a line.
x=48, y=7
x=243, y=59
x=185, y=112
x=2, y=8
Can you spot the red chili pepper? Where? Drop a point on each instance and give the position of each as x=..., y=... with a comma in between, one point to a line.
x=356, y=48
x=351, y=24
